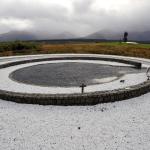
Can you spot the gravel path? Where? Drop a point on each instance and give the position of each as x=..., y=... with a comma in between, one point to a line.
x=115, y=126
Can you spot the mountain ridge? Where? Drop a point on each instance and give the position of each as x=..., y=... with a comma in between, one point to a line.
x=27, y=36
x=112, y=35
x=100, y=35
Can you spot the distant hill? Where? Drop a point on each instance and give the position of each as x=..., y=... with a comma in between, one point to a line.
x=100, y=35
x=25, y=36
x=105, y=34
x=140, y=36
x=111, y=35
x=63, y=35
x=17, y=35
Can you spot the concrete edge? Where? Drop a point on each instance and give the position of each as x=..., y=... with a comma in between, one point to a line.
x=78, y=99
x=136, y=64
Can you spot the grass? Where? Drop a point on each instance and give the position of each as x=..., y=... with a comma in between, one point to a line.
x=111, y=48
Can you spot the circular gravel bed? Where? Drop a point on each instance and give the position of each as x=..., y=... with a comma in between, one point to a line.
x=69, y=74
x=56, y=80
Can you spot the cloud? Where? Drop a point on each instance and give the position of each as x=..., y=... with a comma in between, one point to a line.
x=80, y=17
x=83, y=6
x=18, y=24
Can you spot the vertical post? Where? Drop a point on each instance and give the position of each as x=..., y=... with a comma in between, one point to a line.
x=82, y=88
x=148, y=73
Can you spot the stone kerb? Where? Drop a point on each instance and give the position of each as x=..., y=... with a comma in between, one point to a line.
x=136, y=64
x=77, y=99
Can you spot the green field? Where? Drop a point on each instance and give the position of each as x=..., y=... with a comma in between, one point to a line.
x=111, y=48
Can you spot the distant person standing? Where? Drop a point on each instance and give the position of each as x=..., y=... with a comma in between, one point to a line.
x=125, y=38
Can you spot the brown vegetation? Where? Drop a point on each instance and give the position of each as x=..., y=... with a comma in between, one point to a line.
x=140, y=50
x=111, y=48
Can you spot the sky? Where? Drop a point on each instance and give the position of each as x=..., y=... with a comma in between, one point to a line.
x=79, y=17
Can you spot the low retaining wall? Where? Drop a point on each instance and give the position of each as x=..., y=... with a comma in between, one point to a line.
x=78, y=99
x=137, y=65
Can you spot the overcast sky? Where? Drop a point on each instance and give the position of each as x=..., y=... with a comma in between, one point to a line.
x=80, y=17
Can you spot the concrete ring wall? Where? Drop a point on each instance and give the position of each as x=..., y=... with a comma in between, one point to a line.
x=77, y=99
x=136, y=64
x=92, y=98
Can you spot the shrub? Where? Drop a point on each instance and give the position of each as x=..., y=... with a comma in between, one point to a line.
x=17, y=46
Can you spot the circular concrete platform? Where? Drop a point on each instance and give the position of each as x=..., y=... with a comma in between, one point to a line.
x=56, y=79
